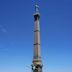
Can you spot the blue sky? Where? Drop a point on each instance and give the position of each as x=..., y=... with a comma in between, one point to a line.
x=16, y=35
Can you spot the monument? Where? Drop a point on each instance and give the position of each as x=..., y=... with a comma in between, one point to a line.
x=37, y=62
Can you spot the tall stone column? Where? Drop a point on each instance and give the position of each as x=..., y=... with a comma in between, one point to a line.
x=37, y=62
